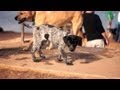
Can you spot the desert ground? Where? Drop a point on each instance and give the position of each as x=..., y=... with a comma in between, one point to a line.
x=89, y=63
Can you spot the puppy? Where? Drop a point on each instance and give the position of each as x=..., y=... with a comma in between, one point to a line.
x=46, y=34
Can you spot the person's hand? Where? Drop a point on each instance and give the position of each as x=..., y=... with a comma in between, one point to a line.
x=106, y=40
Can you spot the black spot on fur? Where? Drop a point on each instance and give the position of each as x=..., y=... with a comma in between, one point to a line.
x=37, y=28
x=46, y=36
x=72, y=41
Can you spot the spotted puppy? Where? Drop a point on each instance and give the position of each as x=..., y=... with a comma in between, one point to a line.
x=46, y=34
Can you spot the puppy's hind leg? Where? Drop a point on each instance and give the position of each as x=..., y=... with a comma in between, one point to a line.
x=36, y=48
x=41, y=55
x=33, y=50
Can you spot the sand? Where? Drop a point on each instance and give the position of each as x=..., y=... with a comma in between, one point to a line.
x=17, y=64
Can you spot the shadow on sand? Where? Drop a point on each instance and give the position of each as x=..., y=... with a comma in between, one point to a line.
x=84, y=55
x=7, y=52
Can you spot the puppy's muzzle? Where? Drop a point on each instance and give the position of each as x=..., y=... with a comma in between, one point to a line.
x=71, y=48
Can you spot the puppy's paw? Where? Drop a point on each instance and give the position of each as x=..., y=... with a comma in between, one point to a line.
x=36, y=59
x=69, y=63
x=42, y=56
x=59, y=59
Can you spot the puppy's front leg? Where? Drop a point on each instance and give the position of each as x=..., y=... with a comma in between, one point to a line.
x=63, y=56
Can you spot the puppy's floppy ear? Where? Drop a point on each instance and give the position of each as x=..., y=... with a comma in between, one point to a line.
x=65, y=39
x=79, y=40
x=46, y=36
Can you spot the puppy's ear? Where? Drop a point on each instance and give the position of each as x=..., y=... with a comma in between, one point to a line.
x=46, y=36
x=65, y=39
x=79, y=40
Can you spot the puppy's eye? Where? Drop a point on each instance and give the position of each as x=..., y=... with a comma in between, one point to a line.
x=68, y=43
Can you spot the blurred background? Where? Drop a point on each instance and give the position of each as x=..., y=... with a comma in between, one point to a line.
x=8, y=23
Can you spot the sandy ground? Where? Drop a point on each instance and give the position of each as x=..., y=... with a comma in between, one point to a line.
x=17, y=64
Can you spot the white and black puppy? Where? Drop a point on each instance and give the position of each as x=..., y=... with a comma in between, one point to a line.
x=47, y=34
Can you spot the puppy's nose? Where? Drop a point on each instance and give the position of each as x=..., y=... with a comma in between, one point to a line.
x=72, y=49
x=16, y=18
